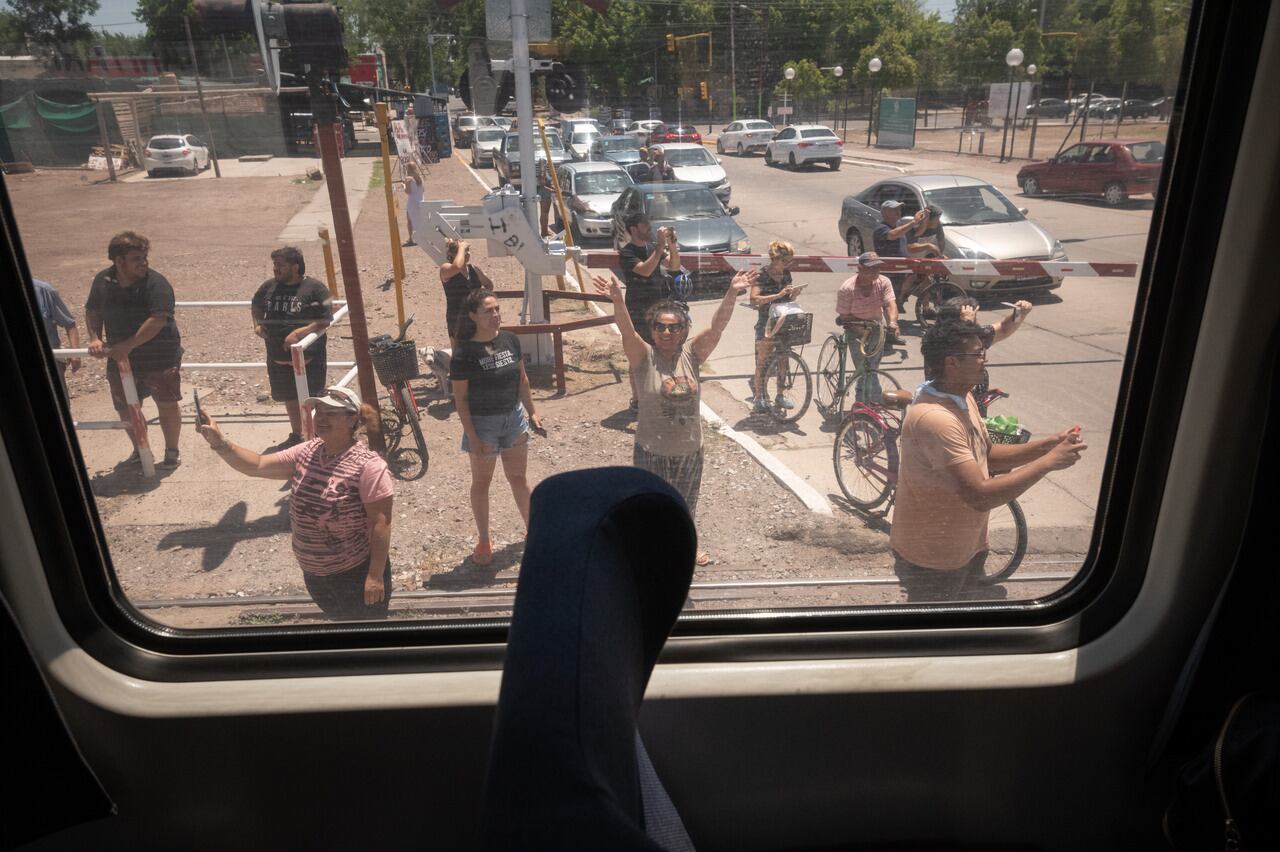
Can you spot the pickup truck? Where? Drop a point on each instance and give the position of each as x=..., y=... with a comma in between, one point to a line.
x=506, y=160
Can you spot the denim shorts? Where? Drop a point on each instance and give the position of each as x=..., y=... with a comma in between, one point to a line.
x=504, y=430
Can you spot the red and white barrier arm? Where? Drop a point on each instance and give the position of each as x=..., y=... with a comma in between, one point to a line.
x=921, y=266
x=137, y=423
x=298, y=354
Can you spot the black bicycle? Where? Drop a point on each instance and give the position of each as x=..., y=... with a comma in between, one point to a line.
x=395, y=360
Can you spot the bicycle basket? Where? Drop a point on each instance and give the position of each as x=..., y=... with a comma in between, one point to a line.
x=395, y=363
x=796, y=330
x=1020, y=437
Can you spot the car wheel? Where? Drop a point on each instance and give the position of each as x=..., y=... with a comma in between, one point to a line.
x=575, y=230
x=742, y=152
x=768, y=156
x=834, y=164
x=1031, y=186
x=194, y=170
x=791, y=161
x=719, y=147
x=853, y=242
x=151, y=173
x=1114, y=194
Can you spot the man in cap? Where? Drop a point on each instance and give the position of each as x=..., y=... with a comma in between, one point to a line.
x=892, y=239
x=865, y=298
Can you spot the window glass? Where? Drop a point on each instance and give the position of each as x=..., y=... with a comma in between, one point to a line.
x=868, y=512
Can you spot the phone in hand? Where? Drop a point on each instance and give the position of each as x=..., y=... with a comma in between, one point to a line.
x=540, y=431
x=202, y=419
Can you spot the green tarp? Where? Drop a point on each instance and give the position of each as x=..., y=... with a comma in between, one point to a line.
x=67, y=118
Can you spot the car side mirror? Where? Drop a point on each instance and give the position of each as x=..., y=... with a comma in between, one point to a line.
x=1022, y=210
x=734, y=211
x=718, y=160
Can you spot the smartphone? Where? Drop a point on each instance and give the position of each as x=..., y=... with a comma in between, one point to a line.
x=1017, y=311
x=540, y=431
x=201, y=419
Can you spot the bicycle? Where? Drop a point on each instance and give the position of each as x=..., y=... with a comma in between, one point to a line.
x=395, y=360
x=787, y=378
x=865, y=457
x=835, y=378
x=930, y=294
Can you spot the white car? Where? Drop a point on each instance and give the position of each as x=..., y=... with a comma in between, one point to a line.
x=484, y=141
x=804, y=143
x=172, y=152
x=695, y=164
x=642, y=130
x=590, y=189
x=582, y=138
x=742, y=137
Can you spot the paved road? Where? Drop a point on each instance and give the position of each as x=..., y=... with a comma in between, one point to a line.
x=1062, y=368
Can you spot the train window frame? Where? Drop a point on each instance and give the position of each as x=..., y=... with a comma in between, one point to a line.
x=1208, y=110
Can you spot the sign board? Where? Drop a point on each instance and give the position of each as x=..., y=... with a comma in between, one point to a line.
x=783, y=110
x=896, y=123
x=497, y=22
x=999, y=100
x=433, y=131
x=404, y=141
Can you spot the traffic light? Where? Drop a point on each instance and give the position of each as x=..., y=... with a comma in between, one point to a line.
x=702, y=89
x=671, y=43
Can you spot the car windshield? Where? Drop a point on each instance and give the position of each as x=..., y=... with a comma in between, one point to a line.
x=757, y=125
x=553, y=142
x=166, y=142
x=690, y=157
x=1147, y=152
x=972, y=205
x=817, y=133
x=488, y=134
x=683, y=204
x=624, y=143
x=467, y=121
x=585, y=137
x=601, y=183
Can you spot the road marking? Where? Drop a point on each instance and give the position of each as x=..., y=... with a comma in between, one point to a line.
x=785, y=476
x=475, y=174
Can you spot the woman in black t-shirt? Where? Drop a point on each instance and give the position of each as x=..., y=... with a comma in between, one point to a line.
x=458, y=277
x=491, y=392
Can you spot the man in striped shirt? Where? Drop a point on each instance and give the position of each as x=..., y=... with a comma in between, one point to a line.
x=866, y=297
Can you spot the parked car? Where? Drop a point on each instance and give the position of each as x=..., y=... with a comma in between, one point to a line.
x=1049, y=108
x=590, y=189
x=485, y=142
x=582, y=138
x=504, y=121
x=978, y=222
x=1116, y=170
x=804, y=143
x=643, y=129
x=464, y=128
x=695, y=164
x=747, y=135
x=701, y=223
x=1103, y=108
x=675, y=133
x=618, y=126
x=174, y=152
x=616, y=149
x=506, y=160
x=1137, y=108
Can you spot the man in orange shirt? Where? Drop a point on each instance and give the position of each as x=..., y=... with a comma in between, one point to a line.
x=951, y=476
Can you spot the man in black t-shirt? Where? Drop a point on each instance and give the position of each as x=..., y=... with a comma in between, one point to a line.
x=288, y=307
x=129, y=313
x=646, y=272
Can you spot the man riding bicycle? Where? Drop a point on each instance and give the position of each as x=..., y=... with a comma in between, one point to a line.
x=865, y=298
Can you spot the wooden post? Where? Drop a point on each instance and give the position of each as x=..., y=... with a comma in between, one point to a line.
x=330, y=273
x=106, y=142
x=195, y=69
x=564, y=213
x=397, y=256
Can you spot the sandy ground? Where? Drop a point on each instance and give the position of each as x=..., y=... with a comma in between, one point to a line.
x=204, y=532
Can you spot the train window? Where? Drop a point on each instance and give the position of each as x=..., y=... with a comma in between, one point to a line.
x=883, y=366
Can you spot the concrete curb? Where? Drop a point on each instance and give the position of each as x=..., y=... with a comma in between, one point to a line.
x=784, y=475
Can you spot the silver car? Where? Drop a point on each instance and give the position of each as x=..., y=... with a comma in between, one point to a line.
x=484, y=142
x=978, y=223
x=589, y=191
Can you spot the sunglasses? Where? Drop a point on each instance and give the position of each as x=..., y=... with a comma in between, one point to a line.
x=673, y=327
x=982, y=354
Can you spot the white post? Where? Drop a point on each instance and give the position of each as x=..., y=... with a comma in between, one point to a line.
x=137, y=423
x=531, y=312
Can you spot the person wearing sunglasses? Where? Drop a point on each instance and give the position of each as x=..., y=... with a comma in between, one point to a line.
x=340, y=504
x=668, y=386
x=950, y=474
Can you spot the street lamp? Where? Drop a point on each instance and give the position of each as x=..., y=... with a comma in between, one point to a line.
x=873, y=66
x=1013, y=59
x=431, y=56
x=790, y=74
x=837, y=71
x=1013, y=134
x=1035, y=119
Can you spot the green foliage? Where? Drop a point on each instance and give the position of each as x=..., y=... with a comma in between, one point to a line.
x=57, y=26
x=810, y=81
x=165, y=30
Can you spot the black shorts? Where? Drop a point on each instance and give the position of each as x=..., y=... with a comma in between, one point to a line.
x=341, y=596
x=283, y=386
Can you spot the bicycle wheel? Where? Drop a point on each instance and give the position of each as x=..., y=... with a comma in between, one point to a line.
x=931, y=298
x=1006, y=542
x=787, y=380
x=421, y=444
x=392, y=427
x=866, y=461
x=829, y=394
x=414, y=420
x=407, y=464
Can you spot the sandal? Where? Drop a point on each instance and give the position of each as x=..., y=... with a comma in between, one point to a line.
x=703, y=559
x=483, y=554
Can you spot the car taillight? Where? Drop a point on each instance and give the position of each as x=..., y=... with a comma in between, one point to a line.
x=697, y=137
x=805, y=145
x=146, y=152
x=186, y=151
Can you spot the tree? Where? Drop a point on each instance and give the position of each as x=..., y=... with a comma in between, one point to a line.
x=1133, y=24
x=58, y=26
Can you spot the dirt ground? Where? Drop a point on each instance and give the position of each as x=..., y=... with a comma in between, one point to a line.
x=205, y=532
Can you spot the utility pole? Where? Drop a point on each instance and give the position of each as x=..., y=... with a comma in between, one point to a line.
x=213, y=148
x=733, y=68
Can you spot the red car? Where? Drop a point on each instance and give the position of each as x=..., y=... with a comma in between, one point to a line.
x=1115, y=170
x=676, y=133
